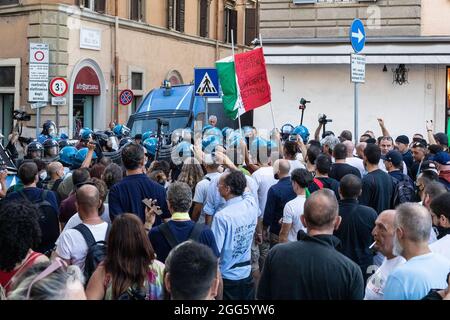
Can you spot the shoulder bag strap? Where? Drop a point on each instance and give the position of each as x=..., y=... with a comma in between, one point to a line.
x=86, y=233
x=165, y=230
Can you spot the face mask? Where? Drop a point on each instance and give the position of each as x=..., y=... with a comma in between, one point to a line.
x=276, y=176
x=43, y=175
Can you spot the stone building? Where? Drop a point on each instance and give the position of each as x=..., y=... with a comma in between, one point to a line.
x=102, y=47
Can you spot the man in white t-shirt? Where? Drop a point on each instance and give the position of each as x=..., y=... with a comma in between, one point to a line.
x=352, y=160
x=291, y=223
x=71, y=245
x=383, y=234
x=201, y=192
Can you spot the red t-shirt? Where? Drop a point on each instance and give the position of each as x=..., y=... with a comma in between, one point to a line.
x=5, y=277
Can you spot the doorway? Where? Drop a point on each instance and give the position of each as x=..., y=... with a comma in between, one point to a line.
x=83, y=113
x=6, y=111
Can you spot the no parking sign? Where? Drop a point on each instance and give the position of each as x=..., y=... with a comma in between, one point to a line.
x=126, y=97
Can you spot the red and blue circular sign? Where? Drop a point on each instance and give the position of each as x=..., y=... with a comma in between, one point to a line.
x=126, y=97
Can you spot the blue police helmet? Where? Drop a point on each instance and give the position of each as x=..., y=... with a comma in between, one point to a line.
x=212, y=132
x=206, y=127
x=235, y=139
x=86, y=133
x=257, y=144
x=147, y=135
x=50, y=143
x=150, y=145
x=209, y=143
x=66, y=155
x=183, y=149
x=64, y=136
x=302, y=131
x=80, y=156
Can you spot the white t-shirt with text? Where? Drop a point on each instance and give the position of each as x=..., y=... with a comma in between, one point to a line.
x=377, y=281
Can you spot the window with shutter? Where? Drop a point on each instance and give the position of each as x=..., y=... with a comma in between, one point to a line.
x=204, y=18
x=8, y=2
x=233, y=25
x=136, y=10
x=179, y=23
x=100, y=6
x=170, y=15
x=250, y=25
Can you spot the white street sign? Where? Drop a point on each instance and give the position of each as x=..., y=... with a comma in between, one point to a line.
x=358, y=68
x=37, y=105
x=59, y=101
x=39, y=53
x=38, y=72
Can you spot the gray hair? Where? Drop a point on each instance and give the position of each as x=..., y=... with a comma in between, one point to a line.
x=56, y=286
x=415, y=220
x=179, y=196
x=330, y=141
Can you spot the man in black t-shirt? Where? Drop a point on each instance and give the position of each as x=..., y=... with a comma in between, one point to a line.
x=312, y=268
x=339, y=169
x=322, y=180
x=377, y=186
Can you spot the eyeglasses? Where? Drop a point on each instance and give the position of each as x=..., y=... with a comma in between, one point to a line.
x=56, y=264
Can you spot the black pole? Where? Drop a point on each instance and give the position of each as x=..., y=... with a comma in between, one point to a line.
x=301, y=121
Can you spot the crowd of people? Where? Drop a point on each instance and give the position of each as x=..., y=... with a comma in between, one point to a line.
x=231, y=214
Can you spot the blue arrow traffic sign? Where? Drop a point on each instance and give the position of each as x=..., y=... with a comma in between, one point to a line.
x=357, y=35
x=206, y=82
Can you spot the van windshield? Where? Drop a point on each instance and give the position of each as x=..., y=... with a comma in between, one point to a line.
x=143, y=125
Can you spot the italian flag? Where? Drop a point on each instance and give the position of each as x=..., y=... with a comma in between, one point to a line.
x=244, y=83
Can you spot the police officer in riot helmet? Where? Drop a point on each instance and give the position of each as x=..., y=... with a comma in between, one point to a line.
x=48, y=131
x=51, y=150
x=34, y=150
x=86, y=135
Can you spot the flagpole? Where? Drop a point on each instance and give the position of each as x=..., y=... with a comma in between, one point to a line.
x=271, y=108
x=232, y=50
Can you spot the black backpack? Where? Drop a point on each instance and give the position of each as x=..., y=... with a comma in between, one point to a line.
x=48, y=221
x=173, y=242
x=403, y=191
x=96, y=250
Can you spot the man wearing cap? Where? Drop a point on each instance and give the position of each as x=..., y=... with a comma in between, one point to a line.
x=442, y=160
x=393, y=161
x=402, y=143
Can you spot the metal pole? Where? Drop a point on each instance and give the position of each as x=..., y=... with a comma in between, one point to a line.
x=206, y=108
x=237, y=84
x=38, y=121
x=57, y=119
x=356, y=111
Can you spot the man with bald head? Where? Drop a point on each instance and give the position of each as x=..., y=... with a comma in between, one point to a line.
x=279, y=194
x=423, y=269
x=71, y=245
x=352, y=160
x=383, y=234
x=312, y=268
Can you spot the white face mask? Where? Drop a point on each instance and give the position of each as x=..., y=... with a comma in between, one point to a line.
x=43, y=175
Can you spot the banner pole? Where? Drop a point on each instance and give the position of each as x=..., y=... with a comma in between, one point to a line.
x=232, y=50
x=271, y=108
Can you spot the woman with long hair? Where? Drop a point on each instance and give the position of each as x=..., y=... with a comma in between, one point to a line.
x=130, y=270
x=191, y=173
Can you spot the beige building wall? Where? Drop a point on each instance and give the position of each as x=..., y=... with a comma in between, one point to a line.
x=435, y=18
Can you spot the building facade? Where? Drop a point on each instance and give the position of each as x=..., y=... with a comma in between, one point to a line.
x=102, y=47
x=307, y=50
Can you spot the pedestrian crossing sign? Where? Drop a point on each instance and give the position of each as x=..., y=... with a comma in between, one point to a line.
x=206, y=82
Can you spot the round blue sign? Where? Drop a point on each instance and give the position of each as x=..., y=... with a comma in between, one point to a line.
x=126, y=97
x=357, y=35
